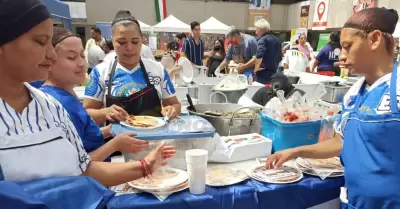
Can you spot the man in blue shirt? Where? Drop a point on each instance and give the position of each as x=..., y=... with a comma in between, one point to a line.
x=269, y=52
x=242, y=50
x=193, y=47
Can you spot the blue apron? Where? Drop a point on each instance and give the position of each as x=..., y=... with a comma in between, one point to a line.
x=371, y=154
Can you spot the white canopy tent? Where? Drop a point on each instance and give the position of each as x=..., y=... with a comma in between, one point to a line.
x=144, y=26
x=171, y=24
x=213, y=26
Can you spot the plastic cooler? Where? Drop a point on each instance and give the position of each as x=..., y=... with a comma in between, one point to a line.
x=289, y=135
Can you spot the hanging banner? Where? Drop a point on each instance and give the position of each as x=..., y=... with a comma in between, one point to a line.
x=304, y=14
x=320, y=20
x=161, y=9
x=323, y=40
x=258, y=9
x=359, y=5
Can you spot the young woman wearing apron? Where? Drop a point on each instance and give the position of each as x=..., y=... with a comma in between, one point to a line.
x=370, y=120
x=139, y=86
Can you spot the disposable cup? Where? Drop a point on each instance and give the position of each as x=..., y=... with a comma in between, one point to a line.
x=196, y=162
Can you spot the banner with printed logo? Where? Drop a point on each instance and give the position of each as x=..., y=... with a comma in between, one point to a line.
x=258, y=9
x=359, y=5
x=320, y=20
x=304, y=14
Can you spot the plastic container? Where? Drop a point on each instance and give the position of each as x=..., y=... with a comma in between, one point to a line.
x=289, y=135
x=327, y=130
x=196, y=162
x=250, y=79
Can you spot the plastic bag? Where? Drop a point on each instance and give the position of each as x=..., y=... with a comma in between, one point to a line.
x=231, y=82
x=191, y=124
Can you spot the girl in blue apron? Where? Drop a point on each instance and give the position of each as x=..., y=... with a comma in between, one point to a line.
x=68, y=71
x=138, y=85
x=370, y=120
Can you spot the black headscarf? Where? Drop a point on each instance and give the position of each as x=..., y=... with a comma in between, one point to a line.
x=19, y=16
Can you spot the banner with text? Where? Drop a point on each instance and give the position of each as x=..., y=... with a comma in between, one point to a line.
x=320, y=20
x=258, y=9
x=359, y=5
x=304, y=14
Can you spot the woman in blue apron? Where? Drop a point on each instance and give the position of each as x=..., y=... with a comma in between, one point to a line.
x=139, y=85
x=68, y=71
x=370, y=120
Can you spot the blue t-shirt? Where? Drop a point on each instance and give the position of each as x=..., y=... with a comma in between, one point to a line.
x=328, y=55
x=127, y=82
x=194, y=52
x=88, y=130
x=36, y=84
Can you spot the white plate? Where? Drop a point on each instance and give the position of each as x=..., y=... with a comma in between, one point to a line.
x=160, y=123
x=303, y=167
x=164, y=185
x=186, y=73
x=176, y=189
x=226, y=176
x=258, y=178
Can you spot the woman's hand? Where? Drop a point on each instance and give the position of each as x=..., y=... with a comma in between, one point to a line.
x=106, y=131
x=126, y=143
x=157, y=158
x=170, y=112
x=276, y=160
x=115, y=113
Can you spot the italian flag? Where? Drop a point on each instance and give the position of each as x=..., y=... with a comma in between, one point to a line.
x=161, y=9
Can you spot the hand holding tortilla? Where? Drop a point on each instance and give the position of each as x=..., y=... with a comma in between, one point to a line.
x=170, y=112
x=157, y=158
x=115, y=113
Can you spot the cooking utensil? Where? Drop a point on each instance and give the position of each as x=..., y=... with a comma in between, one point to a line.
x=191, y=106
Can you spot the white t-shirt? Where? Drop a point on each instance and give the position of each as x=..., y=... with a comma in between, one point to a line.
x=145, y=52
x=296, y=60
x=96, y=55
x=33, y=131
x=127, y=82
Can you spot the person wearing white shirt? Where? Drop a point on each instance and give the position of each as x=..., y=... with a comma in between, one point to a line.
x=37, y=137
x=96, y=56
x=295, y=60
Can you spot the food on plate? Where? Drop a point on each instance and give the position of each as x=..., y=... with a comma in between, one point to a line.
x=331, y=163
x=282, y=175
x=224, y=176
x=156, y=179
x=141, y=121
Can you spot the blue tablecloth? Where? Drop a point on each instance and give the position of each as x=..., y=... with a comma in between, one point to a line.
x=251, y=194
x=55, y=193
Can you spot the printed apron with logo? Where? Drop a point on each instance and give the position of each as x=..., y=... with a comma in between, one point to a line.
x=144, y=102
x=371, y=154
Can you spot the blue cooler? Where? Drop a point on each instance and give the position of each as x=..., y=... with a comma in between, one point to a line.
x=289, y=135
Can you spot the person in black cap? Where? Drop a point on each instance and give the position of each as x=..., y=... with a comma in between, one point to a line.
x=38, y=138
x=136, y=84
x=279, y=81
x=368, y=129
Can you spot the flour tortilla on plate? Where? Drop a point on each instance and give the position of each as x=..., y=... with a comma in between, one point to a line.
x=224, y=176
x=161, y=180
x=143, y=122
x=283, y=175
x=330, y=163
x=308, y=170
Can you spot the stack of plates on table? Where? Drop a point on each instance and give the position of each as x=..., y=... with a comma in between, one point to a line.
x=224, y=176
x=163, y=181
x=330, y=167
x=283, y=175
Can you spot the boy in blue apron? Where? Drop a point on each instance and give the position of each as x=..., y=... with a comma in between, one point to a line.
x=370, y=121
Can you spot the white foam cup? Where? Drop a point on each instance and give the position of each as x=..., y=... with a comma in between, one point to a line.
x=196, y=162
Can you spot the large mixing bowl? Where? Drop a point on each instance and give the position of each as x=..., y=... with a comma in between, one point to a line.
x=226, y=126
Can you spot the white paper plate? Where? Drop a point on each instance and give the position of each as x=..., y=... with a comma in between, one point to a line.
x=253, y=175
x=176, y=189
x=160, y=123
x=186, y=73
x=163, y=185
x=225, y=176
x=303, y=167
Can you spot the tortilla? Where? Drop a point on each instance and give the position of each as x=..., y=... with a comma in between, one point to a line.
x=141, y=121
x=330, y=163
x=156, y=179
x=282, y=175
x=225, y=176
